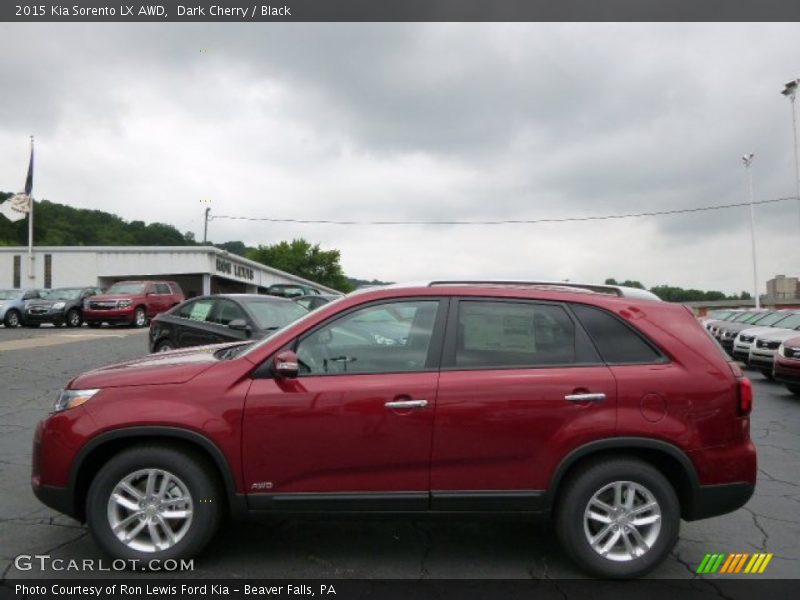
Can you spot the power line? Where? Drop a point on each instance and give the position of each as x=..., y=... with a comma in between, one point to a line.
x=504, y=221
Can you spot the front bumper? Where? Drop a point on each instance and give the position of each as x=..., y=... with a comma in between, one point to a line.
x=786, y=373
x=761, y=361
x=57, y=498
x=51, y=316
x=742, y=353
x=112, y=315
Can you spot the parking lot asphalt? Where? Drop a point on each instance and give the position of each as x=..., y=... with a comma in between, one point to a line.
x=35, y=364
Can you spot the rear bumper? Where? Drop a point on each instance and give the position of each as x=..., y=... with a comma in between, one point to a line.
x=713, y=500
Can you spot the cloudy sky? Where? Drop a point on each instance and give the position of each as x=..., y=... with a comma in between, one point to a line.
x=423, y=122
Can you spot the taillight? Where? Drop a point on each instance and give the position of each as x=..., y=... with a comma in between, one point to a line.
x=745, y=396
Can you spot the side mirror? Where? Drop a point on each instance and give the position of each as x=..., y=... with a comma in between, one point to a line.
x=285, y=364
x=239, y=325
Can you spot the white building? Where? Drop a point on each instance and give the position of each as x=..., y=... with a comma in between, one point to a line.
x=198, y=269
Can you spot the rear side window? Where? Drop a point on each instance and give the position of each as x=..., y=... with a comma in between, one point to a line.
x=617, y=343
x=509, y=334
x=162, y=288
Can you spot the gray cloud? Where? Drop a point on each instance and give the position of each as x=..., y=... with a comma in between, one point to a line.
x=422, y=121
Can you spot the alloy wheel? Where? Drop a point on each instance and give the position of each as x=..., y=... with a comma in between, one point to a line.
x=150, y=510
x=622, y=521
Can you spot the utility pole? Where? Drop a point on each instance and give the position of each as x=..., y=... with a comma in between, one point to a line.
x=747, y=159
x=206, y=213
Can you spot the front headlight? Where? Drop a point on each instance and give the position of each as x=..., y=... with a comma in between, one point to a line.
x=124, y=303
x=72, y=398
x=59, y=305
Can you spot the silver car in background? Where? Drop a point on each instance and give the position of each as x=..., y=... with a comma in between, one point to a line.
x=12, y=303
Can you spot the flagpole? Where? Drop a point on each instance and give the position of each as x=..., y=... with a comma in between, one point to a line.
x=31, y=270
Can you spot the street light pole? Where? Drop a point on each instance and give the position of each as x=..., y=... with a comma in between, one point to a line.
x=790, y=91
x=747, y=159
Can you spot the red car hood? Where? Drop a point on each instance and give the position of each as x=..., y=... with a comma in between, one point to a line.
x=155, y=369
x=107, y=297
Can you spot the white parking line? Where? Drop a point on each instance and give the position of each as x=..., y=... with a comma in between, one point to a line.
x=57, y=339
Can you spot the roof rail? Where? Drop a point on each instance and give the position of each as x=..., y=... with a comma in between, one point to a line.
x=616, y=290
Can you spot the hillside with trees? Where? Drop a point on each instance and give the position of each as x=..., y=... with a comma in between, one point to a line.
x=60, y=225
x=671, y=293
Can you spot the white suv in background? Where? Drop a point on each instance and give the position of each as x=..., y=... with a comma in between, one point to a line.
x=765, y=345
x=781, y=320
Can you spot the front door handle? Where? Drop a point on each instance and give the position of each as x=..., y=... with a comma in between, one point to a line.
x=406, y=404
x=585, y=397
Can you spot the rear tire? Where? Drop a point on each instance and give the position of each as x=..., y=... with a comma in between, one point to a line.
x=173, y=520
x=768, y=374
x=643, y=536
x=12, y=318
x=795, y=389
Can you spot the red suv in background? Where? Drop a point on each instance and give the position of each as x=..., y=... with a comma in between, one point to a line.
x=132, y=302
x=617, y=416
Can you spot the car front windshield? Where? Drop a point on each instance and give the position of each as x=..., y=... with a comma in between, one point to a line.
x=771, y=319
x=274, y=315
x=126, y=288
x=63, y=294
x=791, y=322
x=10, y=294
x=747, y=317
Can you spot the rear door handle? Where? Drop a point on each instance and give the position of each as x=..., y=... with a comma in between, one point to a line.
x=585, y=397
x=406, y=404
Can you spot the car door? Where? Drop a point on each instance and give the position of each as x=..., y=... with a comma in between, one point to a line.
x=354, y=429
x=520, y=385
x=193, y=325
x=225, y=311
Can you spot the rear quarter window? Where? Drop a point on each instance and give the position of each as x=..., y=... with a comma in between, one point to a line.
x=616, y=341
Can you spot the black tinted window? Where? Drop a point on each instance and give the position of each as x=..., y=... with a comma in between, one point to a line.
x=616, y=341
x=511, y=334
x=162, y=288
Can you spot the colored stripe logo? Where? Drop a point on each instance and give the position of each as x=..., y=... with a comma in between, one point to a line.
x=734, y=563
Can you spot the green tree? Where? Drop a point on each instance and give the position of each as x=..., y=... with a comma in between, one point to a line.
x=301, y=258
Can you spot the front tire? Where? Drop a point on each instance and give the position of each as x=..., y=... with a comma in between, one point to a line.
x=795, y=389
x=618, y=517
x=768, y=374
x=153, y=502
x=74, y=318
x=12, y=318
x=164, y=346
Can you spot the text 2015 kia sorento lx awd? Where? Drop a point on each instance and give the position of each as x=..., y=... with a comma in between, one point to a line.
x=617, y=416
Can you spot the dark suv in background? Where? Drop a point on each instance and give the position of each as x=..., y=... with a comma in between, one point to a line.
x=60, y=306
x=616, y=416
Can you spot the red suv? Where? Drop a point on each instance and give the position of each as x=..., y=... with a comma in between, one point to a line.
x=617, y=416
x=132, y=302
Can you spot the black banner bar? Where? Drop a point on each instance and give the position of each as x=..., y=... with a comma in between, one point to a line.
x=396, y=10
x=744, y=588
